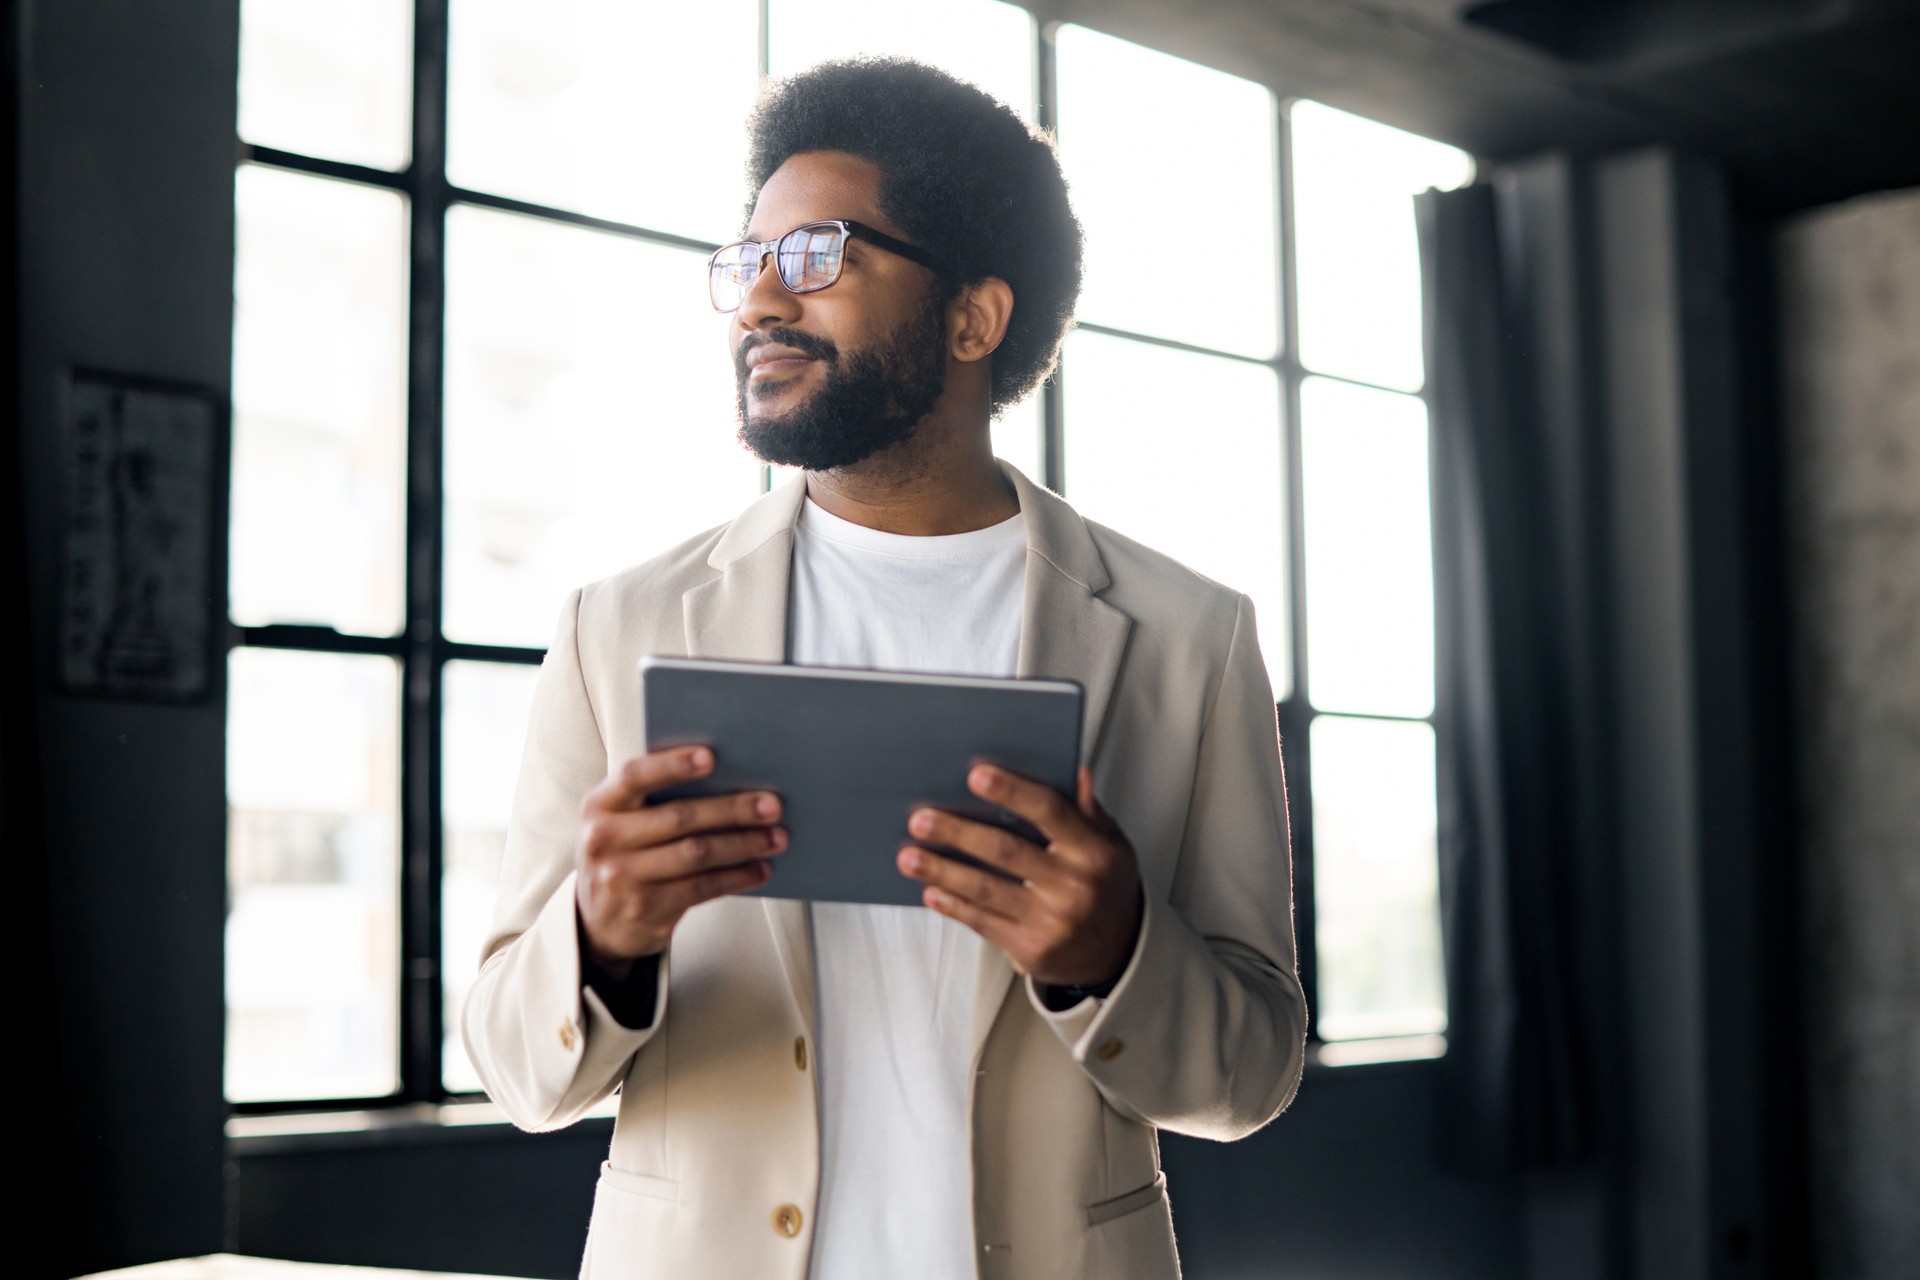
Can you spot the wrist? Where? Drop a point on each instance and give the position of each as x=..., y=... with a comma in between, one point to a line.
x=1072, y=992
x=604, y=963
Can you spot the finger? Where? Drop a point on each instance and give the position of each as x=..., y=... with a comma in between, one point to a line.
x=607, y=834
x=1000, y=931
x=701, y=853
x=675, y=898
x=1090, y=807
x=1038, y=803
x=988, y=892
x=990, y=844
x=676, y=818
x=628, y=786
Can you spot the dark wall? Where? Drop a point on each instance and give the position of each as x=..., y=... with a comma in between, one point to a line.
x=125, y=253
x=483, y=1199
x=1344, y=1184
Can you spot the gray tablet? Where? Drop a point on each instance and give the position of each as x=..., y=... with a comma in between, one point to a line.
x=852, y=753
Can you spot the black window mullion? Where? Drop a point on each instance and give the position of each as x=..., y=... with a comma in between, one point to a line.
x=1175, y=344
x=1291, y=377
x=420, y=842
x=1296, y=720
x=314, y=639
x=454, y=651
x=341, y=170
x=1296, y=712
x=571, y=218
x=1053, y=421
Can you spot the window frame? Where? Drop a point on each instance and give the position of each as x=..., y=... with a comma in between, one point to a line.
x=422, y=650
x=1296, y=712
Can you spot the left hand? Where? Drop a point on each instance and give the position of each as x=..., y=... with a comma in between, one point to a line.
x=1072, y=916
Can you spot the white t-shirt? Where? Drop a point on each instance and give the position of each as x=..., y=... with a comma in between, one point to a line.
x=895, y=985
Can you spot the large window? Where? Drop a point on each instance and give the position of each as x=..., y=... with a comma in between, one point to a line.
x=471, y=333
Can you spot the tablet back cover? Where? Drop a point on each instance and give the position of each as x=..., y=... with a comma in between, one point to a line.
x=852, y=753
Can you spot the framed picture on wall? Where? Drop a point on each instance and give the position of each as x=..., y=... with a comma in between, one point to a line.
x=141, y=603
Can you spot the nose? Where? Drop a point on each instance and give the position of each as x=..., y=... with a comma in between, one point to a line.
x=767, y=301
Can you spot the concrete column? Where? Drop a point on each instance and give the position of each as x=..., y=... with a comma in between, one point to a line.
x=1849, y=287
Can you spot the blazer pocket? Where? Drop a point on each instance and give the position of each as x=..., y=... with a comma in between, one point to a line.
x=1154, y=1192
x=639, y=1184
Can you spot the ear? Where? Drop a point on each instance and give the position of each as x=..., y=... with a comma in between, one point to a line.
x=977, y=319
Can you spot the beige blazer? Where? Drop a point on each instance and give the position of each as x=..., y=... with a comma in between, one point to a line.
x=715, y=1163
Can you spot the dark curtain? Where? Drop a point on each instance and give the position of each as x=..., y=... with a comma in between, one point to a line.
x=1514, y=1077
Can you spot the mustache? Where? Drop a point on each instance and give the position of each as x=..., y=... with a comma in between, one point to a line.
x=805, y=343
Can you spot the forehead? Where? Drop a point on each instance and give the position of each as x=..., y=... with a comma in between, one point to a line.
x=814, y=185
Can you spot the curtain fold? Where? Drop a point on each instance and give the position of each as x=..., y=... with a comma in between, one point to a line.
x=1515, y=1078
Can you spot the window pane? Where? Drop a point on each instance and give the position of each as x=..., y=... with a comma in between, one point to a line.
x=1376, y=906
x=627, y=111
x=590, y=416
x=1016, y=437
x=982, y=41
x=319, y=394
x=1355, y=250
x=332, y=80
x=313, y=936
x=1172, y=167
x=486, y=707
x=1369, y=549
x=1182, y=452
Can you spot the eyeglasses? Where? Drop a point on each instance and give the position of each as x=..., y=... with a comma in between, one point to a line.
x=807, y=259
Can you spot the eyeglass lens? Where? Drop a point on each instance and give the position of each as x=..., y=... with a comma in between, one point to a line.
x=807, y=258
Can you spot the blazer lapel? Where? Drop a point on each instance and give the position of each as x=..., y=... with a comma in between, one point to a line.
x=742, y=614
x=1066, y=630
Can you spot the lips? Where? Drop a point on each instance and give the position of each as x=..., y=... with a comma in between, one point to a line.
x=779, y=354
x=773, y=365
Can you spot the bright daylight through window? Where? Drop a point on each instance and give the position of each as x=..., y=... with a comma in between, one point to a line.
x=462, y=334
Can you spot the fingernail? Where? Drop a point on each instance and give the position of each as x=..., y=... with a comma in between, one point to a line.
x=983, y=779
x=910, y=860
x=778, y=837
x=700, y=757
x=922, y=823
x=766, y=806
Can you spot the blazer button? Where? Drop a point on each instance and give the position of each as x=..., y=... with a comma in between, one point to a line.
x=800, y=1052
x=567, y=1036
x=786, y=1221
x=1109, y=1049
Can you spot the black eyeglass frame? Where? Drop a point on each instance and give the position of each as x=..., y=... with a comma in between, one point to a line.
x=847, y=227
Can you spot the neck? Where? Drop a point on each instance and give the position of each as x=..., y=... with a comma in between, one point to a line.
x=936, y=482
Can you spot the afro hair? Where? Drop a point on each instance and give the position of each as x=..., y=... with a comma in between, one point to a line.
x=961, y=174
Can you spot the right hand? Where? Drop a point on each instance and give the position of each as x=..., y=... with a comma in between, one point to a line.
x=641, y=867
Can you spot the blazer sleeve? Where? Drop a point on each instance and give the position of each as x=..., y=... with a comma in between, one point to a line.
x=546, y=1048
x=1205, y=1033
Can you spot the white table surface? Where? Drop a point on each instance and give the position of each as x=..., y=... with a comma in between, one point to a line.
x=232, y=1266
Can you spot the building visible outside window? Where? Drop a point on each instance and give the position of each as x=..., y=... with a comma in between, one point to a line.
x=470, y=328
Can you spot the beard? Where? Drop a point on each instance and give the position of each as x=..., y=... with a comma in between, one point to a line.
x=869, y=401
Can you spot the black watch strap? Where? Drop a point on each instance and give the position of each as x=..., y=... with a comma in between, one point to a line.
x=1061, y=999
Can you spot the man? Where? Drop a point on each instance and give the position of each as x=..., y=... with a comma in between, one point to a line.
x=846, y=1091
